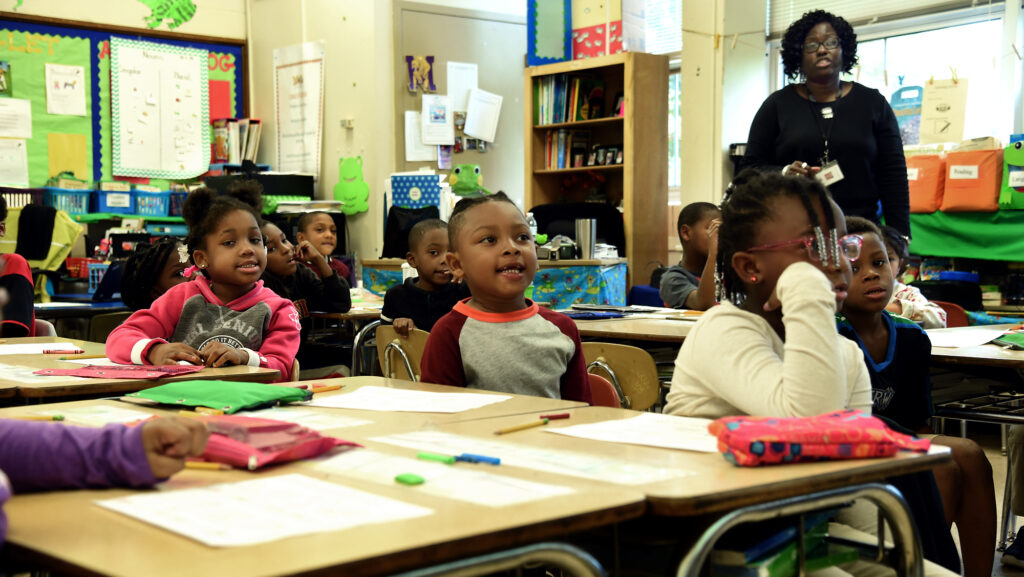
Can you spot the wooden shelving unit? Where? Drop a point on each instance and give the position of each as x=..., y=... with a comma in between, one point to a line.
x=640, y=182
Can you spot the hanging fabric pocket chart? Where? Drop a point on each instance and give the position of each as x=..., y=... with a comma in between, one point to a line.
x=160, y=109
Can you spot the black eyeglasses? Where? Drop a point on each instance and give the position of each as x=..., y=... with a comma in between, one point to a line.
x=831, y=43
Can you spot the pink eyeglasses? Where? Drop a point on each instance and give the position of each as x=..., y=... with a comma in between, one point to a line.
x=849, y=246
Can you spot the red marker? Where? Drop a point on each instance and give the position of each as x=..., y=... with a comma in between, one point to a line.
x=556, y=416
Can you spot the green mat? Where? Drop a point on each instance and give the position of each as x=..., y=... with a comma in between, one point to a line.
x=986, y=235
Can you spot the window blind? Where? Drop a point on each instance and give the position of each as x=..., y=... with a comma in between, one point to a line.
x=782, y=13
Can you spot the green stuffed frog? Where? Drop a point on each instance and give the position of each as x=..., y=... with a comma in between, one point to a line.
x=466, y=180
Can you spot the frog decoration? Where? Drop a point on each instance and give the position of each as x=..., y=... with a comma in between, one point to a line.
x=175, y=12
x=1011, y=195
x=466, y=180
x=351, y=188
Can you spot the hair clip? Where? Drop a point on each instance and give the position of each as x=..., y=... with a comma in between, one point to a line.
x=190, y=271
x=182, y=253
x=819, y=237
x=833, y=243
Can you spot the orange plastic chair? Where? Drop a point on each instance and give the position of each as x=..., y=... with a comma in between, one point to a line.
x=602, y=392
x=956, y=316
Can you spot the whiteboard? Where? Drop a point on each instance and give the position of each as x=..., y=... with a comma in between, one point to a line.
x=160, y=103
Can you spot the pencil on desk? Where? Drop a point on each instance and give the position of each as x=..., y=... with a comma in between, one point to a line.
x=37, y=418
x=207, y=465
x=76, y=357
x=325, y=388
x=524, y=426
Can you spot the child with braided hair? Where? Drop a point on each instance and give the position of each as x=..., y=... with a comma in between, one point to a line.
x=152, y=270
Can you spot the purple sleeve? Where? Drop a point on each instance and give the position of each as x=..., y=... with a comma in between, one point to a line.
x=41, y=456
x=5, y=494
x=441, y=363
x=575, y=385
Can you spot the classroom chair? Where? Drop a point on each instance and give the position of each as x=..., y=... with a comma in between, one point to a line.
x=956, y=316
x=631, y=371
x=410, y=350
x=100, y=326
x=45, y=328
x=295, y=371
x=602, y=392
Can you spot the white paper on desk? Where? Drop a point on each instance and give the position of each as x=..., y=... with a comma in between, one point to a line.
x=651, y=429
x=385, y=399
x=482, y=115
x=415, y=150
x=956, y=338
x=13, y=162
x=96, y=415
x=104, y=362
x=65, y=89
x=15, y=118
x=36, y=348
x=438, y=126
x=262, y=510
x=463, y=482
x=59, y=304
x=462, y=78
x=537, y=458
x=317, y=420
x=26, y=375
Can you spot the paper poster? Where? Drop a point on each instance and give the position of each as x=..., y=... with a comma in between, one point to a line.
x=68, y=152
x=160, y=109
x=436, y=118
x=482, y=114
x=421, y=73
x=220, y=99
x=13, y=162
x=6, y=84
x=15, y=118
x=299, y=102
x=942, y=111
x=462, y=77
x=65, y=90
x=415, y=150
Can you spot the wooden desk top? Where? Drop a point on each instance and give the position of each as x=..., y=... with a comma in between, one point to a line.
x=717, y=485
x=83, y=386
x=984, y=355
x=354, y=314
x=662, y=330
x=396, y=263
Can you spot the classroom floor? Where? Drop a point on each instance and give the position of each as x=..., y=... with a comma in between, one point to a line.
x=989, y=438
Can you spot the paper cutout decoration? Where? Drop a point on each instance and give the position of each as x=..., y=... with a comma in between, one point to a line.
x=174, y=12
x=220, y=99
x=548, y=31
x=466, y=180
x=415, y=191
x=351, y=188
x=6, y=87
x=68, y=152
x=421, y=73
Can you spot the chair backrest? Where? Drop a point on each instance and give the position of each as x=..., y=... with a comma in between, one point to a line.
x=631, y=367
x=393, y=352
x=602, y=392
x=45, y=328
x=100, y=326
x=295, y=371
x=956, y=316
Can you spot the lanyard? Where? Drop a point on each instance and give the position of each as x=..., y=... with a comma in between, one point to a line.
x=827, y=113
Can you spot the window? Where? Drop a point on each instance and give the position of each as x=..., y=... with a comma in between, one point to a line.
x=675, y=108
x=664, y=35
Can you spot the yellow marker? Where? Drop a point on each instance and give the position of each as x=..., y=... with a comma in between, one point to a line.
x=37, y=418
x=524, y=426
x=207, y=465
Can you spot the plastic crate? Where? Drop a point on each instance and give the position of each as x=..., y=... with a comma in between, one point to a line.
x=115, y=202
x=177, y=203
x=96, y=272
x=151, y=203
x=19, y=197
x=70, y=201
x=78, y=267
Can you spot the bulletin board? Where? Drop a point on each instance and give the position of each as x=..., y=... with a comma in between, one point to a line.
x=84, y=143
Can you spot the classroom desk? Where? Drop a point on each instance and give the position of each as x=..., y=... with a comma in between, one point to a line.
x=987, y=355
x=83, y=386
x=645, y=329
x=357, y=314
x=76, y=309
x=717, y=486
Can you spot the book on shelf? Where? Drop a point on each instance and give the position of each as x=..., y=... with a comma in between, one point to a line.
x=565, y=148
x=561, y=98
x=753, y=540
x=235, y=140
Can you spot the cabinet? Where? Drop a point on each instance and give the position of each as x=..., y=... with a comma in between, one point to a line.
x=640, y=182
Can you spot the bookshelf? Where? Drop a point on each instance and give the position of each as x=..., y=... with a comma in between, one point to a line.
x=640, y=181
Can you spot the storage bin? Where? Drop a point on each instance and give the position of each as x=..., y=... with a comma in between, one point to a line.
x=973, y=179
x=78, y=267
x=96, y=272
x=70, y=201
x=19, y=197
x=151, y=203
x=926, y=175
x=114, y=202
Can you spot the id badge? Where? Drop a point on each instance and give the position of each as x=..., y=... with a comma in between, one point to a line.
x=830, y=173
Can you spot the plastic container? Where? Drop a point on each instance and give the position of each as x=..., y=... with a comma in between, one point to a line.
x=78, y=267
x=151, y=203
x=19, y=197
x=115, y=202
x=958, y=275
x=96, y=272
x=70, y=201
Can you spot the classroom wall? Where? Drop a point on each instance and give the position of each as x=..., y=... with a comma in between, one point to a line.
x=223, y=18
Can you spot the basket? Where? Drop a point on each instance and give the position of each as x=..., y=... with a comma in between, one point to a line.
x=114, y=202
x=78, y=267
x=19, y=197
x=151, y=203
x=70, y=201
x=177, y=203
x=96, y=272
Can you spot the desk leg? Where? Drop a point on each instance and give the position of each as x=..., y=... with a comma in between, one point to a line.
x=572, y=560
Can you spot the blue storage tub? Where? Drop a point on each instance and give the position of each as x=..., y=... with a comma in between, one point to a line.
x=117, y=202
x=151, y=203
x=70, y=201
x=958, y=275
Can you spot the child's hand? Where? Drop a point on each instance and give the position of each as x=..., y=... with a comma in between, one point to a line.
x=773, y=302
x=171, y=353
x=218, y=355
x=168, y=440
x=306, y=252
x=713, y=236
x=403, y=326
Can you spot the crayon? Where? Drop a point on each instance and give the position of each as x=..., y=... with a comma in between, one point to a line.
x=556, y=416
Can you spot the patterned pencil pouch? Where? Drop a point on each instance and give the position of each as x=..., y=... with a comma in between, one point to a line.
x=847, y=434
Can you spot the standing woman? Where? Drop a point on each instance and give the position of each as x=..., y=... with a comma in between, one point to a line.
x=842, y=132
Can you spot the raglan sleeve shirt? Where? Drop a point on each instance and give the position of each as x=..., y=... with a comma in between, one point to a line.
x=19, y=312
x=442, y=357
x=132, y=340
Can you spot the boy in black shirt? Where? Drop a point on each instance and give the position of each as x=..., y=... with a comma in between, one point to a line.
x=419, y=302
